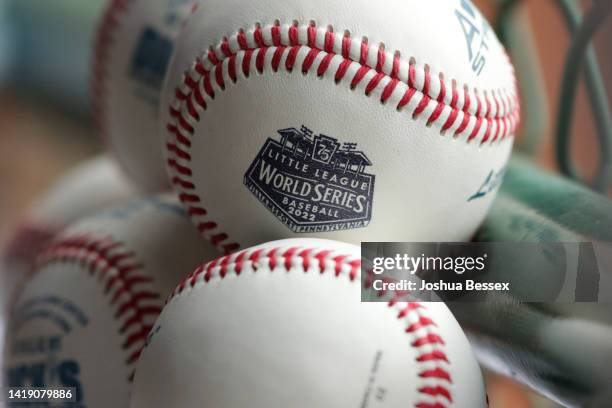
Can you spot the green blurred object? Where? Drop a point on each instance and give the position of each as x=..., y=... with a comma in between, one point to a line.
x=563, y=355
x=579, y=52
x=564, y=358
x=514, y=30
x=534, y=205
x=581, y=58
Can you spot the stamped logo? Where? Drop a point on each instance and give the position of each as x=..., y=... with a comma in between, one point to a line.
x=490, y=184
x=149, y=63
x=153, y=49
x=476, y=31
x=312, y=183
x=39, y=359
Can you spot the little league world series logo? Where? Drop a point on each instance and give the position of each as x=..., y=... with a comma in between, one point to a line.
x=312, y=183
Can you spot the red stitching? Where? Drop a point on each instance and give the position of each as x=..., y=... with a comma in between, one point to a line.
x=370, y=64
x=28, y=239
x=105, y=38
x=429, y=346
x=100, y=255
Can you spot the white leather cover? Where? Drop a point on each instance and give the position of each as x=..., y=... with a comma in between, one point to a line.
x=83, y=316
x=286, y=336
x=243, y=71
x=133, y=46
x=87, y=188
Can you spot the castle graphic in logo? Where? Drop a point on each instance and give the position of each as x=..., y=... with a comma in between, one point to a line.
x=312, y=183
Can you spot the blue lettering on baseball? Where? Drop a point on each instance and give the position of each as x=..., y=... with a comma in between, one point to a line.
x=476, y=31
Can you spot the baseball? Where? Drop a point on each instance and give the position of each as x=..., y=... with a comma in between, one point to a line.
x=89, y=187
x=348, y=120
x=281, y=325
x=84, y=314
x=84, y=190
x=132, y=48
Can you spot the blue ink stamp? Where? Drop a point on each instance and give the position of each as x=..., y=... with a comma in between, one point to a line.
x=149, y=63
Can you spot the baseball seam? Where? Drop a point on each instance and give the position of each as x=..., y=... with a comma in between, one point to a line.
x=105, y=38
x=485, y=116
x=30, y=236
x=435, y=391
x=136, y=303
x=106, y=34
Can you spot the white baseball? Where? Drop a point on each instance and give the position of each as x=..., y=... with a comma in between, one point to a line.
x=282, y=325
x=348, y=120
x=83, y=316
x=87, y=188
x=133, y=45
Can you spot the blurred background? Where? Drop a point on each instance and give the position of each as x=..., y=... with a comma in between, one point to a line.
x=45, y=127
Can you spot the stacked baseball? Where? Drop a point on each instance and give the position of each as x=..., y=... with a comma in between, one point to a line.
x=263, y=141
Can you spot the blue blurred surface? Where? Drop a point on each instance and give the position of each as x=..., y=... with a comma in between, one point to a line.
x=45, y=47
